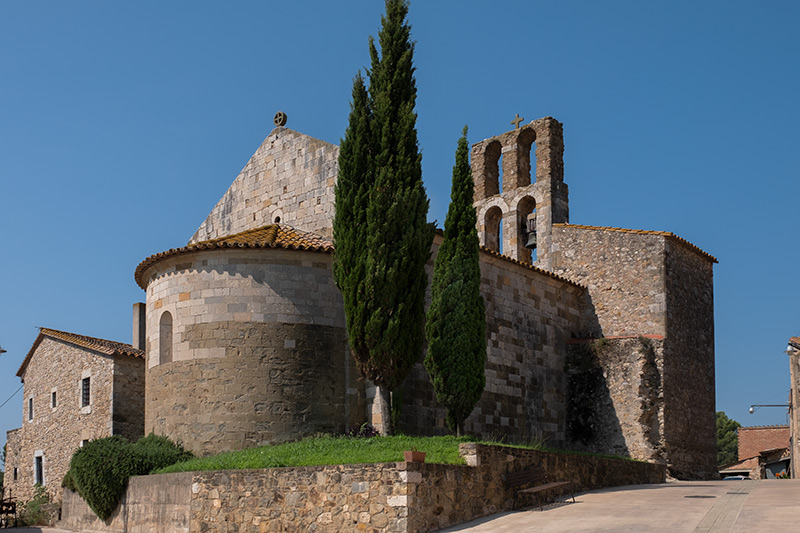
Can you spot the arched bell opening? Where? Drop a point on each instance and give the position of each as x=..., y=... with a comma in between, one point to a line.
x=526, y=224
x=526, y=157
x=492, y=169
x=493, y=237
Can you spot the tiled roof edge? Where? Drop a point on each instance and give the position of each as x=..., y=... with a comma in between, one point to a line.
x=83, y=341
x=667, y=234
x=219, y=243
x=529, y=267
x=484, y=249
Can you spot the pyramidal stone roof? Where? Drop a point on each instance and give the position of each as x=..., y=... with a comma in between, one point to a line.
x=103, y=346
x=271, y=236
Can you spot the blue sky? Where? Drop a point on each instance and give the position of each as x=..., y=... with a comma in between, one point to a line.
x=122, y=124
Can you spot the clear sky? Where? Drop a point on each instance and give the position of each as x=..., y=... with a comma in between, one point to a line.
x=123, y=123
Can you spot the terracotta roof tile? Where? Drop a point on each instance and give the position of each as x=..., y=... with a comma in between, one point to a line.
x=272, y=236
x=795, y=341
x=667, y=234
x=103, y=346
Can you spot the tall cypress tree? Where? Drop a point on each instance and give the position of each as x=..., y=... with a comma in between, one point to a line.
x=456, y=323
x=381, y=259
x=350, y=216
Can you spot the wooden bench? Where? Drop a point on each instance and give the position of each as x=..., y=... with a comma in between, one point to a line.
x=8, y=508
x=537, y=477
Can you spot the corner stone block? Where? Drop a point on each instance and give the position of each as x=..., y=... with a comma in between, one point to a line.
x=411, y=477
x=397, y=501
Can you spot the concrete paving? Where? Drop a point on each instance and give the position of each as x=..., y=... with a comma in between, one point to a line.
x=695, y=506
x=36, y=529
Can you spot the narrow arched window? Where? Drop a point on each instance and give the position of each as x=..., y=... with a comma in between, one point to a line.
x=165, y=338
x=493, y=237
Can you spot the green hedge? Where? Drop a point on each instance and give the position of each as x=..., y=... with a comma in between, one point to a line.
x=100, y=470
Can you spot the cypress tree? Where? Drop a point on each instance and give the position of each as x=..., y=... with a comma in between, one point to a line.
x=381, y=257
x=350, y=216
x=456, y=323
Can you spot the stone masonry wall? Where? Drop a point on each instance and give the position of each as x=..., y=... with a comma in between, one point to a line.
x=291, y=177
x=689, y=378
x=625, y=274
x=530, y=317
x=59, y=367
x=258, y=350
x=128, y=411
x=616, y=398
x=157, y=503
x=382, y=497
x=653, y=284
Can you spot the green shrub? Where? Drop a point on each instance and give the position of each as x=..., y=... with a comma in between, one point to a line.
x=38, y=511
x=100, y=470
x=158, y=451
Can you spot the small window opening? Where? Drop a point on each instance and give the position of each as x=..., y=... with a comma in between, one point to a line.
x=30, y=408
x=39, y=470
x=277, y=220
x=53, y=400
x=15, y=473
x=84, y=442
x=165, y=338
x=85, y=392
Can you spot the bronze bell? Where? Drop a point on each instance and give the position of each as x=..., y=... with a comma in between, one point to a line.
x=530, y=243
x=530, y=226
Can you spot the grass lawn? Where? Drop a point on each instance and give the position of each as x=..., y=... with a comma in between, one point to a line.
x=328, y=450
x=339, y=450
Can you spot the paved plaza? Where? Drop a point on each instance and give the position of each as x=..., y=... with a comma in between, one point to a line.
x=693, y=506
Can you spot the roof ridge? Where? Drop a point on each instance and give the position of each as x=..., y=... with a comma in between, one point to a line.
x=104, y=346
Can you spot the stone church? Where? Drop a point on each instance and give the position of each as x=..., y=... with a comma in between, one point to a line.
x=599, y=339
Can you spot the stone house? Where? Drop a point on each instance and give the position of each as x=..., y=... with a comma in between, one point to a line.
x=76, y=388
x=763, y=452
x=599, y=338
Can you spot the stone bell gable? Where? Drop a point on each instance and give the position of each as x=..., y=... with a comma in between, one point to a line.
x=520, y=189
x=288, y=180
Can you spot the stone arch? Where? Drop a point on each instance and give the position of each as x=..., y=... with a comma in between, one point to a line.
x=526, y=225
x=526, y=157
x=493, y=239
x=165, y=344
x=492, y=169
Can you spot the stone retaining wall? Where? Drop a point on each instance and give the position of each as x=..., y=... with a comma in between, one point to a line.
x=382, y=497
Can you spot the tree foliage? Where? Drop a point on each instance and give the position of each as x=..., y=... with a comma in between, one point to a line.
x=456, y=323
x=380, y=229
x=727, y=439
